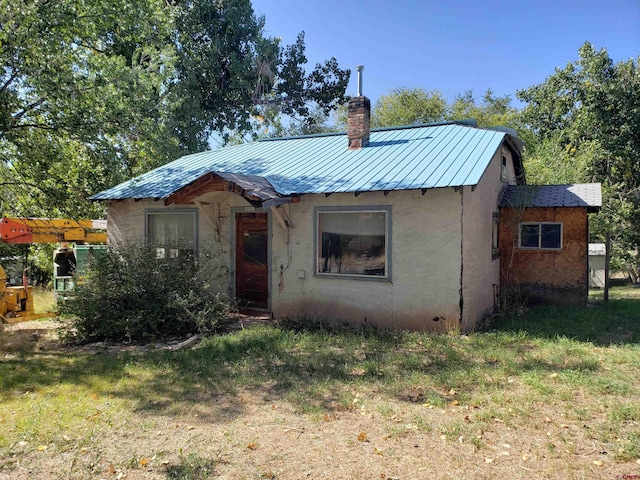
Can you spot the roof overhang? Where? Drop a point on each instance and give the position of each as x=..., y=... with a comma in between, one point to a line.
x=580, y=195
x=255, y=189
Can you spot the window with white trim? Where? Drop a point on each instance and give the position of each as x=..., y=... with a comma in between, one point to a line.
x=173, y=233
x=353, y=242
x=540, y=236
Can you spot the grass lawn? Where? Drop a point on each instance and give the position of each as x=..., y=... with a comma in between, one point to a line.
x=553, y=393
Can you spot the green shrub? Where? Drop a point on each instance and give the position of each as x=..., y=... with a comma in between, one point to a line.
x=128, y=294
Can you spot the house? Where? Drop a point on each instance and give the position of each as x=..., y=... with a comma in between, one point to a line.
x=597, y=260
x=544, y=236
x=394, y=227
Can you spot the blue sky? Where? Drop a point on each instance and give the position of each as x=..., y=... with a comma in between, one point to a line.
x=454, y=45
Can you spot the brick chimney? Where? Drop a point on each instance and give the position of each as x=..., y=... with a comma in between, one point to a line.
x=359, y=117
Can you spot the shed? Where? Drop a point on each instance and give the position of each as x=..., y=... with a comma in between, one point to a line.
x=597, y=260
x=544, y=234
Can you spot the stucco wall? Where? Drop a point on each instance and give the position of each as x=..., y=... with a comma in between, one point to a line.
x=423, y=292
x=427, y=247
x=480, y=270
x=549, y=276
x=126, y=220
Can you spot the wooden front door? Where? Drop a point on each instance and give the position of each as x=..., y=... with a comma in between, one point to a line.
x=252, y=270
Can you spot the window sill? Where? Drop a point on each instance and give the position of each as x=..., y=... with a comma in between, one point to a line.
x=366, y=278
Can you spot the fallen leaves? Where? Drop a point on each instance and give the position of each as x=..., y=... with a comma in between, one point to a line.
x=362, y=437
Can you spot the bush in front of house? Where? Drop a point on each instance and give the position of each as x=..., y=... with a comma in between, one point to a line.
x=129, y=294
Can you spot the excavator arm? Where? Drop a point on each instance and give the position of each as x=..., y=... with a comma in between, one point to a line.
x=52, y=230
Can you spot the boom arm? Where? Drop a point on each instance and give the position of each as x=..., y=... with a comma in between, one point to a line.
x=52, y=230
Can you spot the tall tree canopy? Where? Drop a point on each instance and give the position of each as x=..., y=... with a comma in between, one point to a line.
x=586, y=117
x=93, y=92
x=78, y=81
x=408, y=106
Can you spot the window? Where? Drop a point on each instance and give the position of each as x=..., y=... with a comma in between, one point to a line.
x=353, y=242
x=494, y=235
x=503, y=169
x=544, y=236
x=172, y=232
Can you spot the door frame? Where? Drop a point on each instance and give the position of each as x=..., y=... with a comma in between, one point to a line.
x=232, y=243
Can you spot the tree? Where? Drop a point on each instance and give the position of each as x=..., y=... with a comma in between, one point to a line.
x=408, y=106
x=492, y=112
x=228, y=72
x=591, y=109
x=78, y=81
x=93, y=92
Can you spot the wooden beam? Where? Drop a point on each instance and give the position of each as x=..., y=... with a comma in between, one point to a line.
x=207, y=183
x=282, y=222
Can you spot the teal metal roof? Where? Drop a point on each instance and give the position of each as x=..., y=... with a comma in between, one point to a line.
x=416, y=157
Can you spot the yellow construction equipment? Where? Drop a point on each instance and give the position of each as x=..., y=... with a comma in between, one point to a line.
x=16, y=303
x=52, y=230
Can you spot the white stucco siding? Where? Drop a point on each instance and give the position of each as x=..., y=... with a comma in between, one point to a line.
x=425, y=264
x=480, y=271
x=126, y=220
x=423, y=292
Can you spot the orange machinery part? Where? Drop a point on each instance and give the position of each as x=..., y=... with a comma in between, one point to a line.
x=45, y=230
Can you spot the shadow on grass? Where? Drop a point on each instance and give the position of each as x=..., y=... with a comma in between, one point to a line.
x=191, y=467
x=616, y=322
x=318, y=370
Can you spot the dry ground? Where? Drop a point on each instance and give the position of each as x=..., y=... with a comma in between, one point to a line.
x=261, y=432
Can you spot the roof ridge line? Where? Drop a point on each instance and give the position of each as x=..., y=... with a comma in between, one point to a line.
x=464, y=123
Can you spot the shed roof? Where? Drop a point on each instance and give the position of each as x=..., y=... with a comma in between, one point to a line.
x=587, y=195
x=414, y=157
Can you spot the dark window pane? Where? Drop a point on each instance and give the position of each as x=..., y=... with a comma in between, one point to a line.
x=352, y=243
x=550, y=237
x=255, y=248
x=529, y=236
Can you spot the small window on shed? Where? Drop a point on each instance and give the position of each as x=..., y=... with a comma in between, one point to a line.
x=541, y=236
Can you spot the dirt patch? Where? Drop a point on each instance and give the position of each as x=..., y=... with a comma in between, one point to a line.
x=34, y=336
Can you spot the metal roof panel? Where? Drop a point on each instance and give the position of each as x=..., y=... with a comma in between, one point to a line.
x=425, y=156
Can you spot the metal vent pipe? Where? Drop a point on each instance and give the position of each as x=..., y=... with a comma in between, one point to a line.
x=360, y=68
